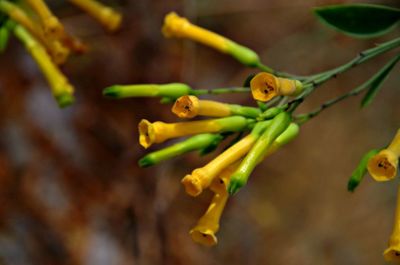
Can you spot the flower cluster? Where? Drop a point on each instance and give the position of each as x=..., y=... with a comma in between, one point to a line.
x=46, y=39
x=382, y=166
x=260, y=130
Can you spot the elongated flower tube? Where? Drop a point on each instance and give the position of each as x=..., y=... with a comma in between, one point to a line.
x=158, y=132
x=180, y=27
x=278, y=125
x=191, y=106
x=193, y=143
x=265, y=86
x=392, y=253
x=58, y=53
x=383, y=166
x=204, y=232
x=201, y=178
x=61, y=88
x=172, y=90
x=51, y=25
x=19, y=16
x=107, y=16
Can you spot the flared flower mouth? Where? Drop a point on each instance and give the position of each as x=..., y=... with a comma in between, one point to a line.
x=174, y=25
x=392, y=254
x=264, y=87
x=383, y=166
x=186, y=107
x=203, y=236
x=146, y=133
x=192, y=185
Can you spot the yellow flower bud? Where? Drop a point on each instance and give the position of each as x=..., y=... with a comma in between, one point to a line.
x=265, y=86
x=107, y=16
x=392, y=253
x=190, y=106
x=204, y=232
x=383, y=166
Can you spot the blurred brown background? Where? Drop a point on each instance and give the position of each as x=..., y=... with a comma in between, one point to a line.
x=70, y=188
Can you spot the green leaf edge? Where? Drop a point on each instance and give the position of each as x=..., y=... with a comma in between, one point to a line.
x=361, y=36
x=379, y=79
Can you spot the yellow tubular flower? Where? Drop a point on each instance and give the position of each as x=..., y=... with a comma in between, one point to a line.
x=383, y=166
x=176, y=26
x=51, y=25
x=392, y=253
x=158, y=132
x=265, y=86
x=107, y=16
x=204, y=232
x=202, y=177
x=190, y=106
x=180, y=27
x=61, y=88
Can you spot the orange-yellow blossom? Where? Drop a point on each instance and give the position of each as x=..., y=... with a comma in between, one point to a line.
x=383, y=166
x=392, y=253
x=204, y=232
x=265, y=86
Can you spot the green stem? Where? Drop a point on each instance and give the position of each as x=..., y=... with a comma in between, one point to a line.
x=362, y=57
x=268, y=69
x=305, y=117
x=219, y=91
x=318, y=79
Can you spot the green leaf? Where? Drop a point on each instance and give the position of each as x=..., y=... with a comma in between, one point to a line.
x=377, y=81
x=359, y=172
x=213, y=146
x=359, y=20
x=4, y=36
